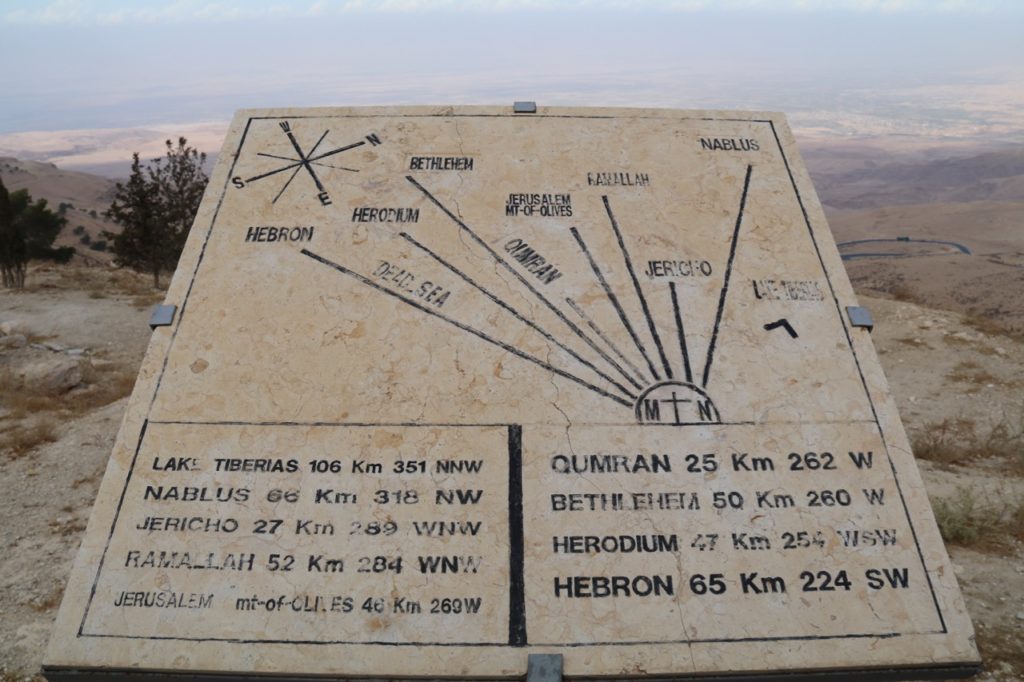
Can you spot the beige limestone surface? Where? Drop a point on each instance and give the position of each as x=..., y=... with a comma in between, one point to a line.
x=449, y=386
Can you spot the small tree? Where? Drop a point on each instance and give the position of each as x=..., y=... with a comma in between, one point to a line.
x=181, y=181
x=13, y=253
x=39, y=226
x=27, y=230
x=146, y=242
x=155, y=209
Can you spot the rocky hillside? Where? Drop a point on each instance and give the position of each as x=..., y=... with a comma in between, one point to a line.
x=84, y=197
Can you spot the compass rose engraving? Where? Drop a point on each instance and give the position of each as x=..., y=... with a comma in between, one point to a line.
x=305, y=161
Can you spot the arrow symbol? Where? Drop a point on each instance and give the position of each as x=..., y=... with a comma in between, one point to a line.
x=784, y=323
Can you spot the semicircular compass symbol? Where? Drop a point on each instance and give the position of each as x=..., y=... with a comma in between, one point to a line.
x=307, y=161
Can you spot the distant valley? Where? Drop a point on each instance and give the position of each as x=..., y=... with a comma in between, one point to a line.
x=973, y=199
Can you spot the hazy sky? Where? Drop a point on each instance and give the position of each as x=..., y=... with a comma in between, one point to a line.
x=119, y=63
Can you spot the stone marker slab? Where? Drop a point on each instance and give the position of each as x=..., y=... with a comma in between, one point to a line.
x=448, y=387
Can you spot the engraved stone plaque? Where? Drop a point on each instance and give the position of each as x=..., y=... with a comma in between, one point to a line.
x=450, y=386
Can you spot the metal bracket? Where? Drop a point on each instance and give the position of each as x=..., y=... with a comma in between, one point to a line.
x=524, y=108
x=544, y=668
x=860, y=317
x=162, y=316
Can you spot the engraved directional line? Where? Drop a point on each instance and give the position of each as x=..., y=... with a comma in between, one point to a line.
x=338, y=150
x=305, y=161
x=522, y=280
x=475, y=332
x=277, y=156
x=515, y=313
x=728, y=274
x=614, y=301
x=299, y=161
x=681, y=332
x=601, y=335
x=636, y=285
x=290, y=178
x=282, y=169
x=304, y=157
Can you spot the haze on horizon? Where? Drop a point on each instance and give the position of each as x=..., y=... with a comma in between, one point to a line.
x=951, y=68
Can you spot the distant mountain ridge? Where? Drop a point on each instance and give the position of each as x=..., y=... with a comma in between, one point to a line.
x=990, y=176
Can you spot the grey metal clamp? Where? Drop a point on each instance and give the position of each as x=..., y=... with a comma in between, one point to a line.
x=860, y=317
x=544, y=668
x=162, y=316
